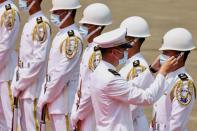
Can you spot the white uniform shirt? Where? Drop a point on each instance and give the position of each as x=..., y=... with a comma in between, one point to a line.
x=33, y=54
x=61, y=70
x=8, y=56
x=143, y=83
x=170, y=114
x=111, y=96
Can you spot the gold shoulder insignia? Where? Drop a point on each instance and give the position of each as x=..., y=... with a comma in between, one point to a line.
x=183, y=90
x=114, y=72
x=95, y=58
x=136, y=70
x=70, y=45
x=8, y=17
x=40, y=30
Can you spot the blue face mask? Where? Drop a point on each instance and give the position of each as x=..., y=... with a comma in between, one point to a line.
x=83, y=31
x=163, y=58
x=23, y=5
x=124, y=59
x=55, y=19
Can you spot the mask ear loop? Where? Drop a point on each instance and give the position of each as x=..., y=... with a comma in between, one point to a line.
x=31, y=5
x=91, y=33
x=65, y=18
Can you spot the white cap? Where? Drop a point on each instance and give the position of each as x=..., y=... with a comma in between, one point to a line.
x=65, y=4
x=97, y=14
x=112, y=39
x=178, y=39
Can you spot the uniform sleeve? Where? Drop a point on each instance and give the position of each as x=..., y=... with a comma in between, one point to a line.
x=179, y=115
x=130, y=93
x=40, y=53
x=144, y=81
x=7, y=42
x=60, y=75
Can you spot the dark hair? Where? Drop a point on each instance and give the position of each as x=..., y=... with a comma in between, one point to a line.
x=186, y=53
x=102, y=28
x=104, y=50
x=40, y=1
x=73, y=13
x=141, y=40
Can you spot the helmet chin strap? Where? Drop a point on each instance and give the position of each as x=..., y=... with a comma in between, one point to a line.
x=31, y=5
x=65, y=18
x=93, y=32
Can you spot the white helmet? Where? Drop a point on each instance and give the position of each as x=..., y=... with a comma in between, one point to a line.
x=96, y=14
x=65, y=4
x=136, y=27
x=178, y=39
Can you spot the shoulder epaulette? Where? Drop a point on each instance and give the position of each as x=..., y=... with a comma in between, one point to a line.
x=114, y=72
x=136, y=63
x=71, y=33
x=96, y=48
x=8, y=7
x=39, y=20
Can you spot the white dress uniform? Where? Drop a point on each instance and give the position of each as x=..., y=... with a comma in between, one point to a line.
x=30, y=72
x=172, y=110
x=9, y=28
x=111, y=94
x=82, y=109
x=131, y=70
x=63, y=76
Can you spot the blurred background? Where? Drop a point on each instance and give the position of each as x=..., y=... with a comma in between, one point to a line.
x=161, y=15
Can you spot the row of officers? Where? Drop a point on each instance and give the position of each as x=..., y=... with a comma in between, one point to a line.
x=104, y=87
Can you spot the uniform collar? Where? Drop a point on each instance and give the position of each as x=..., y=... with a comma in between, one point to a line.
x=108, y=65
x=137, y=55
x=178, y=71
x=70, y=27
x=35, y=15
